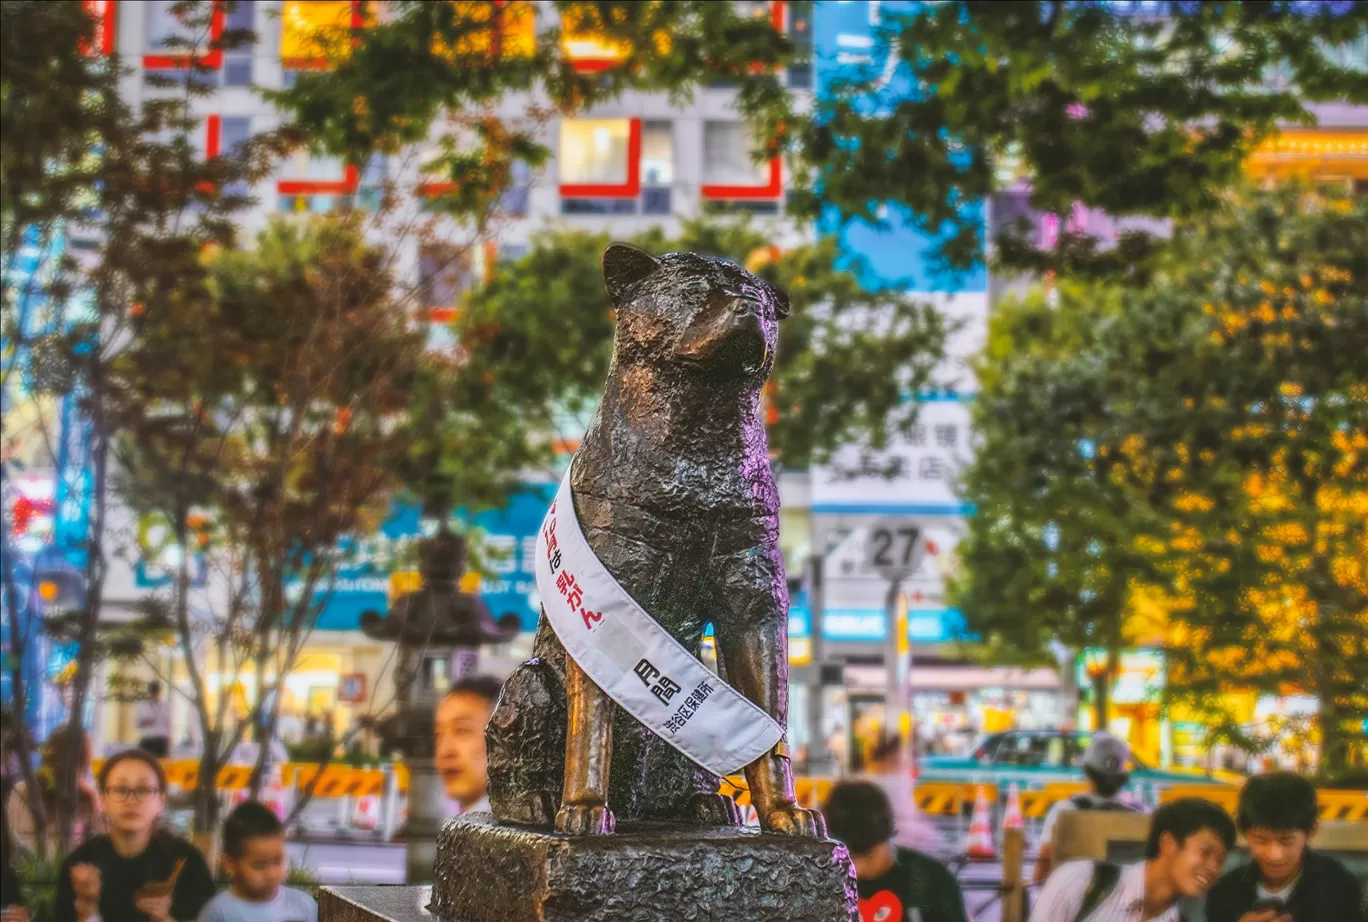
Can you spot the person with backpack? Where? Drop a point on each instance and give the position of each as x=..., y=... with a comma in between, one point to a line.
x=1106, y=764
x=1188, y=842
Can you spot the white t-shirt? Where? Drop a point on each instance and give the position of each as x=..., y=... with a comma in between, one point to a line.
x=1062, y=895
x=288, y=906
x=153, y=718
x=1263, y=893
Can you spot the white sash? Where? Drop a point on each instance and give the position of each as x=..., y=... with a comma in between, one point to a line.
x=635, y=660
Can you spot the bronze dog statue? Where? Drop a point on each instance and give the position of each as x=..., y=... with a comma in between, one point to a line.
x=674, y=492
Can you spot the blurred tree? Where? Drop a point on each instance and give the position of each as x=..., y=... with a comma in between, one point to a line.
x=284, y=447
x=1138, y=110
x=1183, y=463
x=1250, y=407
x=537, y=339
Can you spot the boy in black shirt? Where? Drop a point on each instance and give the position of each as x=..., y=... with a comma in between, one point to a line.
x=895, y=884
x=135, y=873
x=1287, y=881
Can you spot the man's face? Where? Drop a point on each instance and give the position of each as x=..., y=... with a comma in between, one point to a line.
x=260, y=870
x=1195, y=864
x=1277, y=852
x=460, y=729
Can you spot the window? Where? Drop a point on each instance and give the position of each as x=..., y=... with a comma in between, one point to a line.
x=800, y=33
x=657, y=154
x=313, y=32
x=727, y=156
x=237, y=63
x=588, y=50
x=515, y=33
x=517, y=198
x=171, y=40
x=106, y=32
x=1032, y=750
x=303, y=166
x=594, y=151
x=444, y=274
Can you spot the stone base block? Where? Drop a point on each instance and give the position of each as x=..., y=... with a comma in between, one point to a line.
x=489, y=872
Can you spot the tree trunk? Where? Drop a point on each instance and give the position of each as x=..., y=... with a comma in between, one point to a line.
x=1101, y=700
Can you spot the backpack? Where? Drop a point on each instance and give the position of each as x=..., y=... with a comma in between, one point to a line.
x=1104, y=878
x=1086, y=802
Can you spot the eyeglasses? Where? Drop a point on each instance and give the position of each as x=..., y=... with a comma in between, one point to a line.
x=137, y=795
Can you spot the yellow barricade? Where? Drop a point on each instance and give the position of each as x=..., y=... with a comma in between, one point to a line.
x=942, y=798
x=811, y=792
x=1343, y=806
x=734, y=786
x=1227, y=797
x=233, y=777
x=183, y=773
x=1036, y=804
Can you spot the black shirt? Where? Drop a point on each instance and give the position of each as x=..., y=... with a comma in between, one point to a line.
x=121, y=878
x=11, y=894
x=1327, y=891
x=915, y=881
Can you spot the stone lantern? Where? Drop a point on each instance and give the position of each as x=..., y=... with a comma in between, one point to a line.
x=439, y=630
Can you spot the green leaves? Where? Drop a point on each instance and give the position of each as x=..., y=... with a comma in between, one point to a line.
x=1089, y=104
x=1195, y=447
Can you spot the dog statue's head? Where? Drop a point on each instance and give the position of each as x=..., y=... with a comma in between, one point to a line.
x=709, y=316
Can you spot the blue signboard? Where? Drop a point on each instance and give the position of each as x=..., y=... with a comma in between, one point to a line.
x=507, y=541
x=851, y=42
x=870, y=625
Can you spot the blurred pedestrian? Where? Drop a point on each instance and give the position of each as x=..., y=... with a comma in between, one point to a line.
x=135, y=872
x=1106, y=765
x=152, y=716
x=459, y=724
x=885, y=768
x=63, y=751
x=1287, y=880
x=895, y=884
x=1188, y=843
x=254, y=857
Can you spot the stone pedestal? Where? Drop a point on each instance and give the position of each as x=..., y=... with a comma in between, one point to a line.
x=488, y=872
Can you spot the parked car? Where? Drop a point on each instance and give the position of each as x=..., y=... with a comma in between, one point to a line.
x=1035, y=758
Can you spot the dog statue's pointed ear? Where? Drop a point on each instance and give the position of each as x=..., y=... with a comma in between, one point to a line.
x=781, y=301
x=623, y=266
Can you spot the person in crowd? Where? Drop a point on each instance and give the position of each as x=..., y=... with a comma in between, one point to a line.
x=135, y=872
x=895, y=884
x=1106, y=764
x=1287, y=881
x=459, y=724
x=153, y=719
x=884, y=767
x=254, y=857
x=1188, y=843
x=86, y=819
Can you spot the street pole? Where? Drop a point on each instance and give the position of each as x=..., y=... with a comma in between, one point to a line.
x=897, y=695
x=820, y=763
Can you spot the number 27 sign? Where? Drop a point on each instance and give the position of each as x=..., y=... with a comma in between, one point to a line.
x=895, y=548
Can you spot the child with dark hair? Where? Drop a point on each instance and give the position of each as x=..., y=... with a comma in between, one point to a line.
x=1187, y=847
x=1287, y=881
x=254, y=857
x=895, y=884
x=134, y=873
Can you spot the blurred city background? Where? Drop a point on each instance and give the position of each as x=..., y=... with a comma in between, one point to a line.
x=1070, y=419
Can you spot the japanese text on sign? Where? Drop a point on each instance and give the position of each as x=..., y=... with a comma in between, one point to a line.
x=690, y=706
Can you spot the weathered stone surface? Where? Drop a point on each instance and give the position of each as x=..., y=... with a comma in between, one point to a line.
x=375, y=904
x=647, y=872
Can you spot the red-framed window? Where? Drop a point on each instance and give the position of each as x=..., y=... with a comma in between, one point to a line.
x=306, y=26
x=591, y=53
x=727, y=165
x=160, y=18
x=105, y=14
x=346, y=184
x=589, y=150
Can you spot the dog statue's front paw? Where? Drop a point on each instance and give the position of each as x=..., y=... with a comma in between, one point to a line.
x=585, y=820
x=792, y=820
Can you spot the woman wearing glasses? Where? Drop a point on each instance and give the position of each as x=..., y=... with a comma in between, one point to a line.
x=135, y=872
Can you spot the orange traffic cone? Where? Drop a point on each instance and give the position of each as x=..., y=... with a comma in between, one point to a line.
x=980, y=843
x=1012, y=818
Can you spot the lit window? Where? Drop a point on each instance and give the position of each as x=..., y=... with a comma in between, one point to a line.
x=657, y=154
x=582, y=43
x=595, y=151
x=313, y=32
x=303, y=166
x=727, y=157
x=515, y=34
